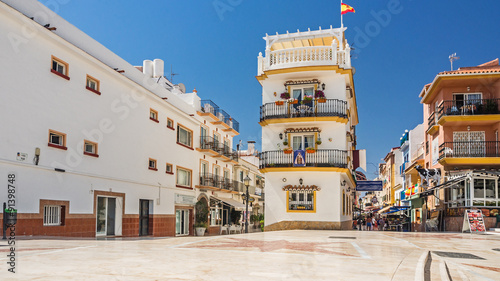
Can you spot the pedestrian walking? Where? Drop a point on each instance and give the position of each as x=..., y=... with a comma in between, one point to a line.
x=364, y=224
x=374, y=223
x=368, y=224
x=381, y=224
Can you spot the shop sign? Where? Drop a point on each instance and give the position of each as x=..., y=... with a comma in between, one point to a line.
x=473, y=221
x=184, y=199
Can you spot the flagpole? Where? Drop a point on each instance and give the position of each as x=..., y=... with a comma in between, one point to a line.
x=341, y=16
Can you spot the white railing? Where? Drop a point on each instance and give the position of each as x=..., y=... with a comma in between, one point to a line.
x=304, y=56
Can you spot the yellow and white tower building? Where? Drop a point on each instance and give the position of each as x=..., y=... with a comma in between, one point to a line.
x=308, y=118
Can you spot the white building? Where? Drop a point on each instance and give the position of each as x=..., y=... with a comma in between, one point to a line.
x=98, y=147
x=307, y=188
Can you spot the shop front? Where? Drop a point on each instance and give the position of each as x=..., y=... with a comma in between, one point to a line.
x=225, y=212
x=184, y=212
x=471, y=190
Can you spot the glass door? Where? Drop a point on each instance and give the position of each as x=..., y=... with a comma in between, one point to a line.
x=106, y=216
x=101, y=215
x=143, y=217
x=182, y=222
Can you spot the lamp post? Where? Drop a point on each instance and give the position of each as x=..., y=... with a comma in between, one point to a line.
x=246, y=181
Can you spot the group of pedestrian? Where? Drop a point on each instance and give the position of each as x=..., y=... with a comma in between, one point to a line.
x=370, y=223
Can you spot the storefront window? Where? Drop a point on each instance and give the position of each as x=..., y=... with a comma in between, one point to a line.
x=490, y=188
x=215, y=218
x=478, y=188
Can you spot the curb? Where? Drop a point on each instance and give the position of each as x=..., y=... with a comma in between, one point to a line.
x=420, y=271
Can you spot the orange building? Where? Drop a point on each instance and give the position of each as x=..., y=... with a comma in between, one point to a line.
x=462, y=111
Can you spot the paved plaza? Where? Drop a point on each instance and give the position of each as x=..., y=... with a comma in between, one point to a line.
x=280, y=255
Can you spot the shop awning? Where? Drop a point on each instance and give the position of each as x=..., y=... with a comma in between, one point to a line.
x=231, y=202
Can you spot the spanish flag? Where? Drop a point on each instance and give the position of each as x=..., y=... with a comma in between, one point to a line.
x=344, y=9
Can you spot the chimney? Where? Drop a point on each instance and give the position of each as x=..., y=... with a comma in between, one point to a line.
x=251, y=147
x=158, y=66
x=147, y=68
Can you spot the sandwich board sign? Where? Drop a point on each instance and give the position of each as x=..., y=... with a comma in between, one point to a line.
x=473, y=221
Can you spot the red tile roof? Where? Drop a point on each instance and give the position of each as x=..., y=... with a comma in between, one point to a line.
x=489, y=67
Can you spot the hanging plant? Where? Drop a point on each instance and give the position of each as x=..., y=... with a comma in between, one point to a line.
x=285, y=95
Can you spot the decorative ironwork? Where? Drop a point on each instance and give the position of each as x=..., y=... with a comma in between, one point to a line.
x=322, y=158
x=332, y=107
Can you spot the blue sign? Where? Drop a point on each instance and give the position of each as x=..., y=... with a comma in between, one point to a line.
x=299, y=158
x=369, y=186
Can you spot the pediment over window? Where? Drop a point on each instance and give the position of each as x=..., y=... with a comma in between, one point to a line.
x=301, y=187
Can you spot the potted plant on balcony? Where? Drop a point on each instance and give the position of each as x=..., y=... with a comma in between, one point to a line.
x=320, y=96
x=285, y=95
x=310, y=149
x=201, y=217
x=288, y=150
x=307, y=99
x=318, y=141
x=293, y=101
x=285, y=142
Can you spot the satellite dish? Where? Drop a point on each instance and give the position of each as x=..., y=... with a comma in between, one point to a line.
x=182, y=87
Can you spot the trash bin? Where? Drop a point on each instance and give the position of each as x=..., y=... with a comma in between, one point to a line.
x=10, y=217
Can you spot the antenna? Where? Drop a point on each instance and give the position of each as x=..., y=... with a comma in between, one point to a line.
x=172, y=74
x=453, y=57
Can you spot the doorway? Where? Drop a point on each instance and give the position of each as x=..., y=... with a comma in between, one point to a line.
x=144, y=217
x=109, y=216
x=182, y=222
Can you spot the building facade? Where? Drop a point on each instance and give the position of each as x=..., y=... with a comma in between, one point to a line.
x=103, y=148
x=308, y=116
x=462, y=119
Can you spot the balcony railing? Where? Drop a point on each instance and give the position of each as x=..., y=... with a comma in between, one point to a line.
x=469, y=149
x=321, y=158
x=304, y=56
x=216, y=181
x=239, y=186
x=208, y=106
x=469, y=107
x=431, y=121
x=331, y=107
x=220, y=148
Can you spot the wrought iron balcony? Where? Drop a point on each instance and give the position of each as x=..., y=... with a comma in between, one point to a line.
x=217, y=148
x=208, y=106
x=321, y=158
x=469, y=107
x=431, y=121
x=469, y=149
x=216, y=181
x=239, y=186
x=287, y=109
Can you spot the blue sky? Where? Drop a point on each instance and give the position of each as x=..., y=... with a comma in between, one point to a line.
x=213, y=45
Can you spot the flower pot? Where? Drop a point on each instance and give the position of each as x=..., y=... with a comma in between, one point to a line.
x=280, y=102
x=288, y=151
x=306, y=101
x=310, y=150
x=321, y=100
x=294, y=102
x=200, y=231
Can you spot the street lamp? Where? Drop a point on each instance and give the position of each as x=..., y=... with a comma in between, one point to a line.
x=246, y=182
